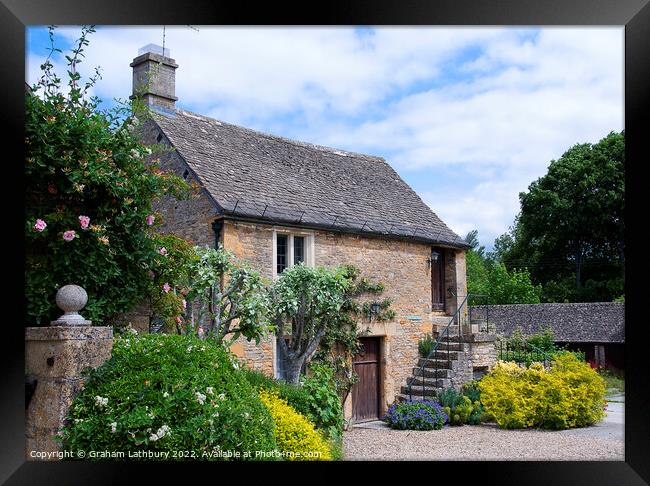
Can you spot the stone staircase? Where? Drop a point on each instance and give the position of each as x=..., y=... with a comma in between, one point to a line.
x=449, y=366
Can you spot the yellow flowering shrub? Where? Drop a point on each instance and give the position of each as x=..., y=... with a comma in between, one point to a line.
x=570, y=394
x=295, y=435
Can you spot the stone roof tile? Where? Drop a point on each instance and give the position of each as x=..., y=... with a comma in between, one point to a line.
x=256, y=175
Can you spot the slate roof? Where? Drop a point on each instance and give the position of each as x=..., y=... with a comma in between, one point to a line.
x=265, y=177
x=594, y=322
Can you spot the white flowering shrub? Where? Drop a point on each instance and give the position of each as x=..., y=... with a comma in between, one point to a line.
x=163, y=392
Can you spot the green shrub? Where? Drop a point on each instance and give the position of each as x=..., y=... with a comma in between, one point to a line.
x=460, y=408
x=570, y=394
x=295, y=395
x=416, y=415
x=323, y=401
x=296, y=435
x=171, y=393
x=543, y=341
x=614, y=381
x=472, y=391
x=315, y=398
x=425, y=345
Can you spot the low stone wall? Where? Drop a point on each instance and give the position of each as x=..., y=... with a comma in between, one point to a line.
x=483, y=353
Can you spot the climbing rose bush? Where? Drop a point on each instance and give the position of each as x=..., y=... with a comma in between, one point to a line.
x=88, y=195
x=162, y=392
x=416, y=415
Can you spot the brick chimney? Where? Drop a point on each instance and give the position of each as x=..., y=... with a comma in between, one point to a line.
x=155, y=67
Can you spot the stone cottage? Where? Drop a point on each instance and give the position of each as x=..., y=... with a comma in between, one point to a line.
x=276, y=202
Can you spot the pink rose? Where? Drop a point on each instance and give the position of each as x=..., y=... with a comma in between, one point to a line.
x=69, y=235
x=150, y=219
x=40, y=225
x=179, y=319
x=166, y=287
x=84, y=221
x=163, y=251
x=152, y=274
x=184, y=304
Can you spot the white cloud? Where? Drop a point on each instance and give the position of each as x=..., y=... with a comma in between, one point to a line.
x=496, y=104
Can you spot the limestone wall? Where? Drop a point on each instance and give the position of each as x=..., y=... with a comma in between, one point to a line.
x=400, y=265
x=54, y=360
x=191, y=219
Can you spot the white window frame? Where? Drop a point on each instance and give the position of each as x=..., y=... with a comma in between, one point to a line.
x=290, y=232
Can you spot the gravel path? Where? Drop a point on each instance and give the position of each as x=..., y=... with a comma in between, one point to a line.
x=485, y=442
x=477, y=443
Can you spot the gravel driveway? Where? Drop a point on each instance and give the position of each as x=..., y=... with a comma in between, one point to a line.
x=485, y=442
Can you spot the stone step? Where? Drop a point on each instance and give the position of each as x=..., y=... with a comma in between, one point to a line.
x=429, y=382
x=440, y=364
x=404, y=397
x=418, y=391
x=455, y=339
x=442, y=354
x=443, y=346
x=431, y=373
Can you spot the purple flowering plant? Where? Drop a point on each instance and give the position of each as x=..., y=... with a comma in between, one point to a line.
x=416, y=415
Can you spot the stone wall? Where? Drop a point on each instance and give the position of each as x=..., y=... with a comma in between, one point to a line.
x=191, y=219
x=483, y=353
x=400, y=265
x=54, y=359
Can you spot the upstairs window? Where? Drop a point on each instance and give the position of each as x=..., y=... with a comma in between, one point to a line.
x=291, y=248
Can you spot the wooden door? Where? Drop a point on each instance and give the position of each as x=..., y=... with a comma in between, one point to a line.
x=438, y=293
x=365, y=392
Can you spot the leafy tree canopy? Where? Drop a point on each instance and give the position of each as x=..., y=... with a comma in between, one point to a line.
x=495, y=282
x=570, y=229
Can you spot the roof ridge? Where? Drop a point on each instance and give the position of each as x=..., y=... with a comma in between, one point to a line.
x=322, y=148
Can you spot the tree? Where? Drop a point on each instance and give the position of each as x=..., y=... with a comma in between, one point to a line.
x=304, y=303
x=225, y=297
x=571, y=224
x=88, y=195
x=498, y=284
x=472, y=240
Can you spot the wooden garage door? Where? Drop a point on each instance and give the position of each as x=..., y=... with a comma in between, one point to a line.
x=365, y=393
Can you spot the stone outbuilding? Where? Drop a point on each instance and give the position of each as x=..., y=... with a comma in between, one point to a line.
x=275, y=202
x=595, y=328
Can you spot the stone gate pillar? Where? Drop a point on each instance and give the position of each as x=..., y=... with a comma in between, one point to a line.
x=55, y=356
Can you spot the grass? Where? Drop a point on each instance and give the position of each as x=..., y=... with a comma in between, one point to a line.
x=615, y=382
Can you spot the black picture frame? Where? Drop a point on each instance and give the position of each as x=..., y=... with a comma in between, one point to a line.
x=633, y=14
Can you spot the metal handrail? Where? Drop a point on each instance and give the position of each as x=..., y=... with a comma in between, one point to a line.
x=547, y=357
x=435, y=348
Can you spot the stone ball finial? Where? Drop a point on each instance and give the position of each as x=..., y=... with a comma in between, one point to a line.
x=71, y=299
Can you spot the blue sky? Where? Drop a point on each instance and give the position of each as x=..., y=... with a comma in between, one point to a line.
x=469, y=117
